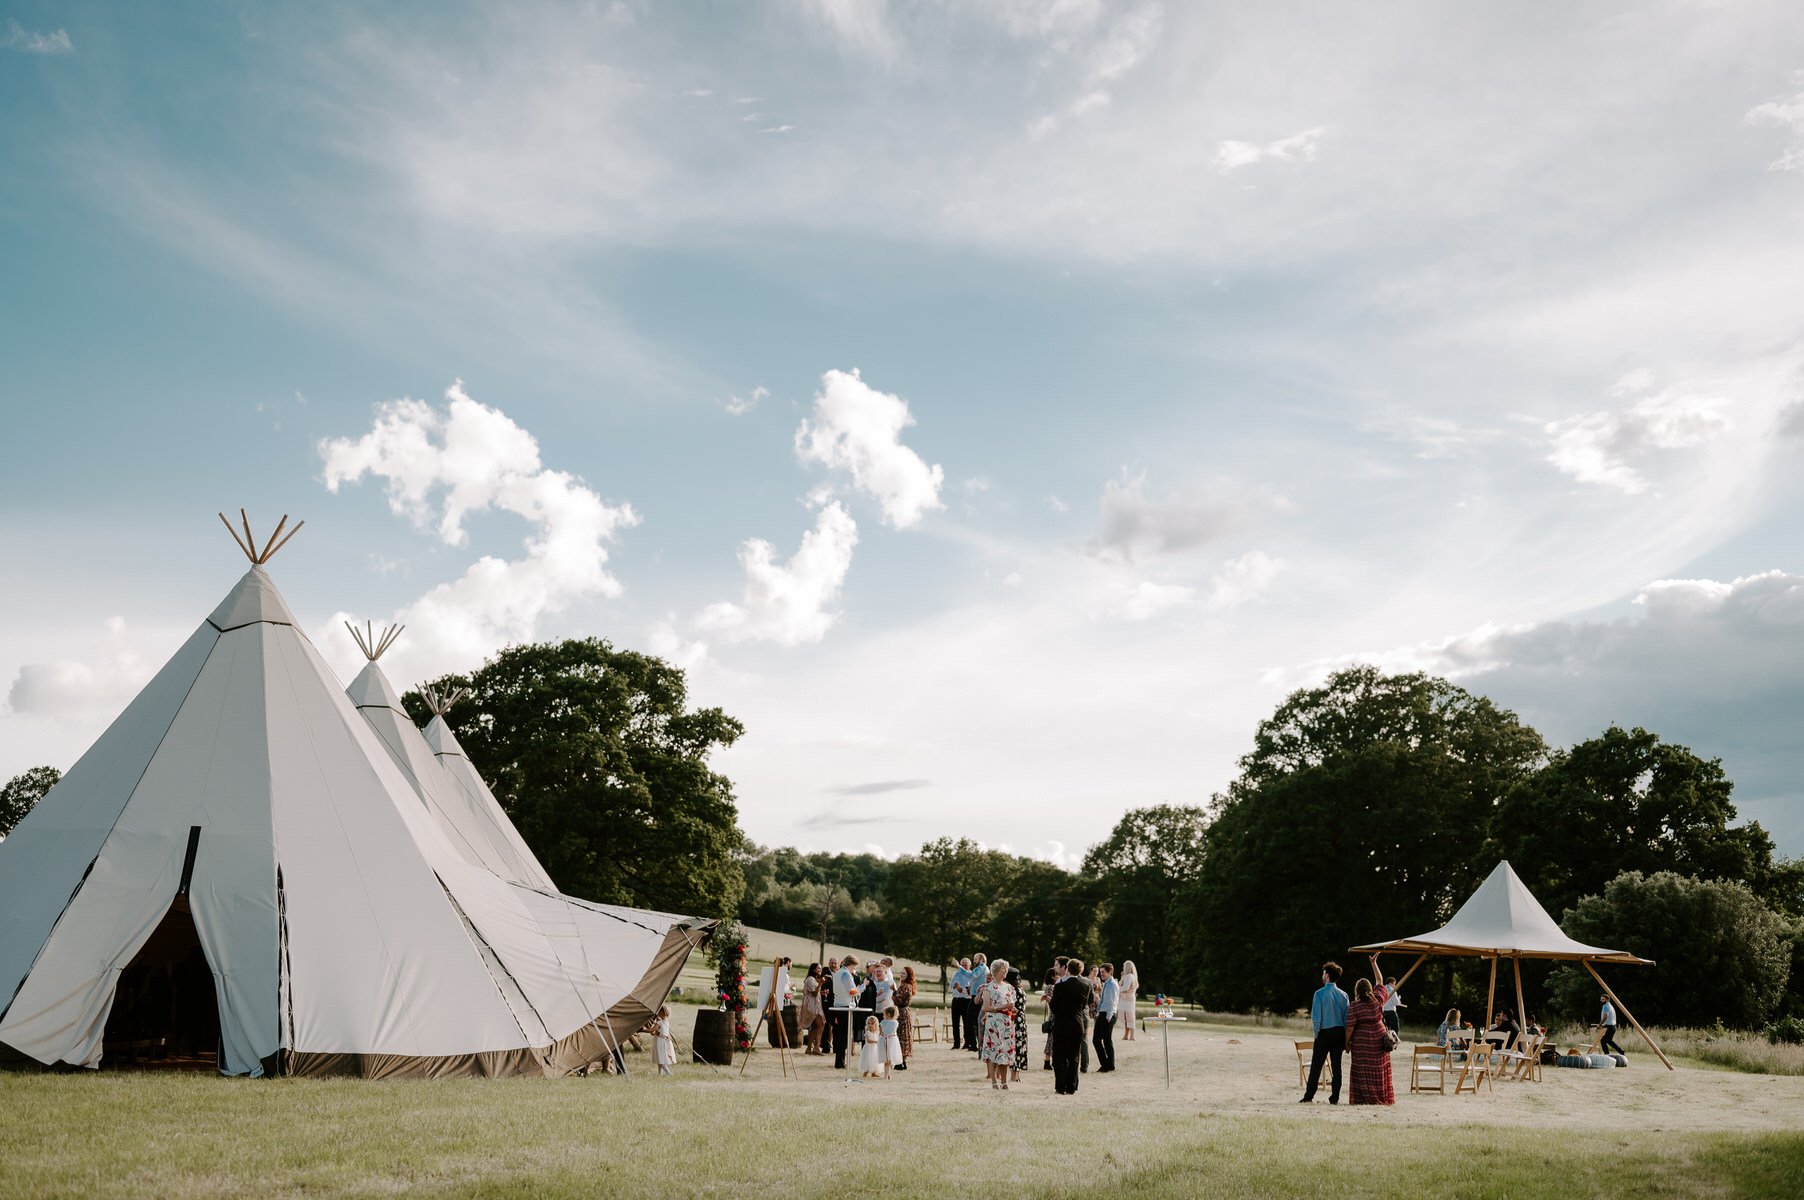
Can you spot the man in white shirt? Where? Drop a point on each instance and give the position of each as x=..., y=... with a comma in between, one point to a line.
x=845, y=995
x=1607, y=1020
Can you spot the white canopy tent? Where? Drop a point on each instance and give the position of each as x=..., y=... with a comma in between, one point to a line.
x=656, y=944
x=1503, y=920
x=241, y=810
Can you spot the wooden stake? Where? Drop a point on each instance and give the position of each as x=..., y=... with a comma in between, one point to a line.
x=1625, y=1012
x=1491, y=994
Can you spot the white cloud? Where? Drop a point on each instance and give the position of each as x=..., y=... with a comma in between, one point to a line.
x=1595, y=447
x=738, y=406
x=1137, y=525
x=1789, y=113
x=858, y=429
x=442, y=466
x=778, y=129
x=1242, y=579
x=1147, y=599
x=1298, y=147
x=789, y=603
x=1056, y=504
x=97, y=685
x=666, y=640
x=17, y=37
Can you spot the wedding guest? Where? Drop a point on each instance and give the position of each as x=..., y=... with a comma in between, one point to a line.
x=1369, y=1039
x=845, y=996
x=1392, y=1018
x=1108, y=997
x=813, y=1018
x=663, y=1043
x=870, y=1054
x=1607, y=1023
x=1053, y=975
x=1130, y=992
x=1013, y=979
x=996, y=1004
x=905, y=998
x=961, y=1001
x=884, y=989
x=1450, y=1024
x=1328, y=1018
x=892, y=1040
x=980, y=975
x=1069, y=997
x=1507, y=1026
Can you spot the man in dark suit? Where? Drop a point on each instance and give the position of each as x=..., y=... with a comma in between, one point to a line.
x=1070, y=997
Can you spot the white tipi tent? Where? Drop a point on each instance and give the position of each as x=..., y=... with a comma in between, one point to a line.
x=643, y=950
x=1503, y=920
x=241, y=823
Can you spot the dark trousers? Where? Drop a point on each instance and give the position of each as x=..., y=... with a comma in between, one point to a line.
x=1393, y=1022
x=973, y=1018
x=1329, y=1044
x=960, y=1005
x=839, y=1023
x=1608, y=1045
x=1104, y=1041
x=1067, y=1041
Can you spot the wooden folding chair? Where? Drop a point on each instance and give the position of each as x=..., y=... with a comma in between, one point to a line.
x=1481, y=1060
x=1425, y=1061
x=1526, y=1063
x=926, y=1030
x=1304, y=1051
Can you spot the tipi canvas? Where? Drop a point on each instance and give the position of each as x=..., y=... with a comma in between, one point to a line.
x=241, y=823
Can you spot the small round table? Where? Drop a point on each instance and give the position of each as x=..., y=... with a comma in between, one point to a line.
x=850, y=1044
x=1165, y=1019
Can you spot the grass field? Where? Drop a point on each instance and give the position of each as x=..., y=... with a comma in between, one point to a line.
x=1229, y=1127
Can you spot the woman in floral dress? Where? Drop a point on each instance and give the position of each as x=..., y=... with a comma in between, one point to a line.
x=1020, y=1065
x=813, y=1016
x=998, y=1048
x=1369, y=1040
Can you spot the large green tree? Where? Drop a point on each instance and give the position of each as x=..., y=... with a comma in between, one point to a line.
x=1627, y=801
x=1719, y=953
x=941, y=902
x=22, y=793
x=1141, y=871
x=1043, y=911
x=1360, y=814
x=595, y=754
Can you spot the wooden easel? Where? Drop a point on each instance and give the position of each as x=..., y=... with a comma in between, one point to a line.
x=773, y=1013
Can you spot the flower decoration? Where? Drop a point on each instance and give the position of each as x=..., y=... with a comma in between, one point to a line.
x=732, y=987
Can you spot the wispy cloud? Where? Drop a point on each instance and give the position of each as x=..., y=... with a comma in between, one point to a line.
x=1298, y=147
x=1137, y=524
x=879, y=787
x=25, y=41
x=738, y=406
x=1787, y=112
x=789, y=603
x=96, y=685
x=1597, y=447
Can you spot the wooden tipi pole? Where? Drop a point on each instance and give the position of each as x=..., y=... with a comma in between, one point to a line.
x=1490, y=996
x=1521, y=1008
x=1625, y=1012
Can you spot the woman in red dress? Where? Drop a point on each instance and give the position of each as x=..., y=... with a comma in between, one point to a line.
x=1369, y=1041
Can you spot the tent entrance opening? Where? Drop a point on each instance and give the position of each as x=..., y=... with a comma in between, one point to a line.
x=165, y=1011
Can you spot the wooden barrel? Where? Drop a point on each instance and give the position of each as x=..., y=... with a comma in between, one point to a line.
x=713, y=1042
x=791, y=1017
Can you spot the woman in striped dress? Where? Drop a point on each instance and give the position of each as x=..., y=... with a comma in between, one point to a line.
x=1369, y=1040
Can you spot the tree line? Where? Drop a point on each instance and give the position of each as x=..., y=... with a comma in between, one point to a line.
x=1367, y=808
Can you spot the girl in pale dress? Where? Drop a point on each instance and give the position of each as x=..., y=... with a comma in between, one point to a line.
x=870, y=1051
x=1130, y=988
x=663, y=1044
x=892, y=1040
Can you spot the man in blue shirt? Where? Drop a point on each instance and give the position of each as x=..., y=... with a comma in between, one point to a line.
x=1328, y=1017
x=1106, y=1003
x=961, y=1000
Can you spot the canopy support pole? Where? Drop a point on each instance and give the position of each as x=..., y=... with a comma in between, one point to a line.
x=1412, y=970
x=1625, y=1012
x=1521, y=1008
x=1491, y=996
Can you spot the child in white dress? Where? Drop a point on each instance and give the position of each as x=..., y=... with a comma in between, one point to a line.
x=892, y=1041
x=663, y=1044
x=870, y=1053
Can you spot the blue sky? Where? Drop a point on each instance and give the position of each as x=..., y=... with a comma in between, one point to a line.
x=1000, y=407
